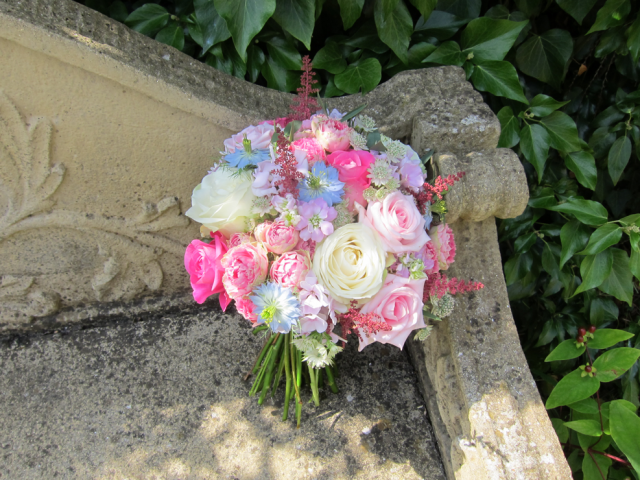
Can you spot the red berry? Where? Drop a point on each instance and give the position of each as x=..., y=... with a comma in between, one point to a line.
x=592, y=329
x=588, y=369
x=582, y=332
x=580, y=339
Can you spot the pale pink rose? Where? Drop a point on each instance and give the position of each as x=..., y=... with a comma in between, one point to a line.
x=245, y=307
x=291, y=268
x=428, y=255
x=332, y=134
x=399, y=303
x=312, y=148
x=260, y=137
x=398, y=221
x=202, y=261
x=245, y=267
x=240, y=238
x=280, y=238
x=353, y=169
x=260, y=231
x=445, y=245
x=264, y=178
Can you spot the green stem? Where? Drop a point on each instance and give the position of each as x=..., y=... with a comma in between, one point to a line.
x=260, y=376
x=330, y=380
x=276, y=382
x=266, y=346
x=293, y=370
x=320, y=376
x=287, y=371
x=298, y=385
x=270, y=367
x=313, y=381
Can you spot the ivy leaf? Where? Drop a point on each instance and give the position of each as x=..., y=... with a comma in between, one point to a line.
x=563, y=133
x=387, y=6
x=255, y=60
x=425, y=7
x=489, y=39
x=610, y=15
x=634, y=263
x=619, y=156
x=367, y=37
x=460, y=8
x=593, y=464
x=213, y=28
x=608, y=337
x=584, y=166
x=620, y=282
x=245, y=18
x=543, y=105
x=594, y=269
x=499, y=78
x=439, y=25
x=510, y=128
x=331, y=90
x=546, y=56
x=172, y=35
x=572, y=388
x=524, y=243
x=297, y=17
x=573, y=236
x=448, y=53
x=330, y=58
x=534, y=142
x=586, y=427
x=625, y=426
x=517, y=267
x=604, y=237
x=363, y=75
x=587, y=211
x=549, y=263
x=613, y=363
x=633, y=39
x=601, y=141
x=274, y=74
x=542, y=198
x=350, y=11
x=602, y=310
x=148, y=19
x=566, y=350
x=548, y=333
x=284, y=53
x=578, y=9
x=395, y=28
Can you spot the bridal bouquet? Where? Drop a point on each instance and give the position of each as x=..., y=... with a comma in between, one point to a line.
x=318, y=226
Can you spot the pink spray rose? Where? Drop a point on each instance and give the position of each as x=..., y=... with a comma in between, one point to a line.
x=290, y=269
x=240, y=238
x=398, y=221
x=352, y=169
x=399, y=303
x=445, y=245
x=280, y=238
x=332, y=134
x=429, y=257
x=312, y=148
x=260, y=232
x=202, y=261
x=245, y=307
x=245, y=266
x=260, y=137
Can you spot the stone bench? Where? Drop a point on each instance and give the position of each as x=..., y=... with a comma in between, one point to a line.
x=103, y=135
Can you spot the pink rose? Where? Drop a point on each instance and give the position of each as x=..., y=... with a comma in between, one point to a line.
x=202, y=261
x=280, y=238
x=445, y=245
x=291, y=268
x=332, y=134
x=260, y=137
x=352, y=169
x=399, y=303
x=245, y=307
x=240, y=238
x=398, y=221
x=428, y=255
x=245, y=267
x=260, y=231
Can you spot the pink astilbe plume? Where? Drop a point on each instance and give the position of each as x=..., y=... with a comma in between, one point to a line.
x=440, y=187
x=304, y=104
x=368, y=323
x=438, y=285
x=288, y=173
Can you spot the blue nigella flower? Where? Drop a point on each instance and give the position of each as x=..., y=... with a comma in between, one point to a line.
x=276, y=306
x=322, y=182
x=242, y=158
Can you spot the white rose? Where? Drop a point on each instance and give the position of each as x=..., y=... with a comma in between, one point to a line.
x=222, y=201
x=351, y=263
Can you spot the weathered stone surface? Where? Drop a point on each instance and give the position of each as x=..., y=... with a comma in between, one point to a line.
x=483, y=402
x=165, y=399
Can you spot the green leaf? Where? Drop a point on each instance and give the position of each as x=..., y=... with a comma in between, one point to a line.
x=172, y=35
x=510, y=126
x=578, y=9
x=460, y=8
x=350, y=11
x=587, y=211
x=594, y=269
x=572, y=388
x=331, y=90
x=605, y=408
x=563, y=133
x=593, y=464
x=561, y=430
x=631, y=219
x=524, y=243
x=364, y=75
x=387, y=6
x=607, y=337
x=297, y=17
x=395, y=28
x=613, y=363
x=448, y=53
x=330, y=58
x=601, y=141
x=489, y=39
x=565, y=351
x=425, y=7
x=499, y=78
x=213, y=29
x=367, y=37
x=610, y=15
x=118, y=11
x=633, y=39
x=274, y=74
x=586, y=427
x=255, y=60
x=634, y=263
x=245, y=18
x=549, y=262
x=620, y=282
x=588, y=406
x=542, y=198
x=284, y=53
x=619, y=156
x=548, y=333
x=534, y=142
x=574, y=237
x=439, y=25
x=625, y=426
x=543, y=105
x=584, y=166
x=517, y=267
x=605, y=236
x=610, y=41
x=356, y=111
x=148, y=19
x=546, y=56
x=602, y=310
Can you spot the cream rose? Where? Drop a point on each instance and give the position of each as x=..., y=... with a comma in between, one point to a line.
x=351, y=263
x=222, y=202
